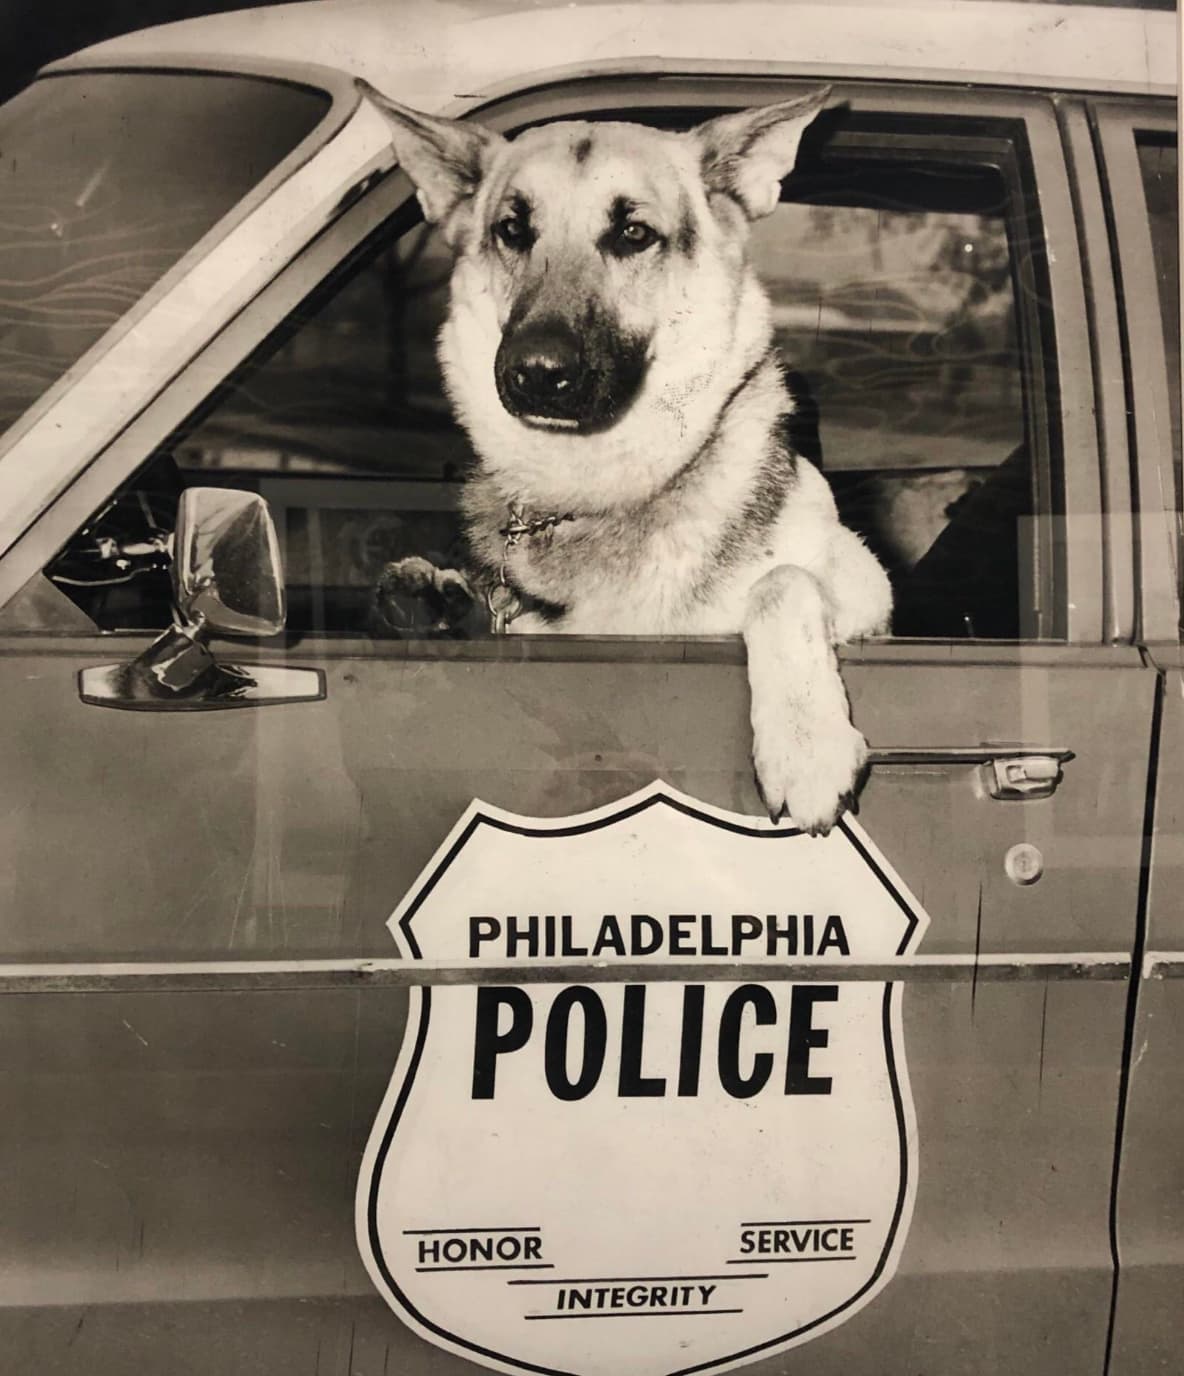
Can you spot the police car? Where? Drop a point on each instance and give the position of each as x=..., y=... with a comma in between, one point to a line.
x=220, y=416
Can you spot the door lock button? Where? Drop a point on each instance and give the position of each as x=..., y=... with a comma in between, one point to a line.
x=1023, y=864
x=1022, y=776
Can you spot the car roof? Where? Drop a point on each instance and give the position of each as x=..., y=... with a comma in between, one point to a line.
x=449, y=54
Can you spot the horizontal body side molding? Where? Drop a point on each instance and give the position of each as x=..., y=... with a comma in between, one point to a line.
x=1163, y=965
x=964, y=754
x=279, y=975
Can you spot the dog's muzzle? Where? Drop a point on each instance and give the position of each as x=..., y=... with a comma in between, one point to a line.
x=549, y=376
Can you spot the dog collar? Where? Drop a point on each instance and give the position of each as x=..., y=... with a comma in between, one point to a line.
x=502, y=599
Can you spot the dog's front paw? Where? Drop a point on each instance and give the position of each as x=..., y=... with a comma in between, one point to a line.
x=415, y=598
x=811, y=773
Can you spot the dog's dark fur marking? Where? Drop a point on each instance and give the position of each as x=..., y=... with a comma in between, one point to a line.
x=581, y=150
x=519, y=209
x=618, y=360
x=717, y=172
x=689, y=467
x=618, y=217
x=549, y=611
x=686, y=236
x=766, y=499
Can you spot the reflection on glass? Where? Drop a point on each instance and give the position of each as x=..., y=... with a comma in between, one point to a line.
x=106, y=179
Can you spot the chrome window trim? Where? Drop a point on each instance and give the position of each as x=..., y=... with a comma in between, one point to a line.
x=1157, y=524
x=1117, y=509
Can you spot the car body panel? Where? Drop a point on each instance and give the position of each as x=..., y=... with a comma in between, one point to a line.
x=324, y=813
x=349, y=797
x=199, y=1151
x=430, y=55
x=180, y=1161
x=1149, y=1200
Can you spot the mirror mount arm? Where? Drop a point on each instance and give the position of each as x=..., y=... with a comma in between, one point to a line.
x=227, y=577
x=178, y=673
x=176, y=662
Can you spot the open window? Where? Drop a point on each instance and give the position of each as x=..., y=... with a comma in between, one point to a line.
x=905, y=266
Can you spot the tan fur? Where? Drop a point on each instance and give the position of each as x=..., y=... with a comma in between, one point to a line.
x=684, y=515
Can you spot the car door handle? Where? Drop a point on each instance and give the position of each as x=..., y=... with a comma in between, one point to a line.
x=1009, y=773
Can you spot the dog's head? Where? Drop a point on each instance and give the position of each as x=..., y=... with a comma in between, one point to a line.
x=602, y=307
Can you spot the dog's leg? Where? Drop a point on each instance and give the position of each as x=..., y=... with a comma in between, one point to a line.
x=414, y=597
x=807, y=755
x=858, y=593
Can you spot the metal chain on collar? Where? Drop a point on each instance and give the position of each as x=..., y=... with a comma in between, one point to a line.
x=504, y=605
x=502, y=599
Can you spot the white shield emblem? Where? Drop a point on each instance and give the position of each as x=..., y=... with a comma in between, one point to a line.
x=644, y=1169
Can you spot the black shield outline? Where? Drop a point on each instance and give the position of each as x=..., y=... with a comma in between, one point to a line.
x=655, y=795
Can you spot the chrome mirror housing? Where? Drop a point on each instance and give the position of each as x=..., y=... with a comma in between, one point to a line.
x=227, y=579
x=227, y=573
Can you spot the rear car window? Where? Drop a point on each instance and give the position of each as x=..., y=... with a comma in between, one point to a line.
x=106, y=180
x=1159, y=170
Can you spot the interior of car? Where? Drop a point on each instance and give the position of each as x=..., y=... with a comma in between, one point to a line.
x=893, y=280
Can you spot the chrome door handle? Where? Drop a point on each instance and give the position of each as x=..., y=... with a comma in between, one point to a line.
x=1023, y=776
x=1009, y=773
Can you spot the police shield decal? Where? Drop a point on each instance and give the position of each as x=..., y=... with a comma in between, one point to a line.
x=626, y=1173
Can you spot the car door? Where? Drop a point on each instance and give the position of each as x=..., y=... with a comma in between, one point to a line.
x=195, y=900
x=1137, y=144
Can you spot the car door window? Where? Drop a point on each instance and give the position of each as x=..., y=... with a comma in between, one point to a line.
x=894, y=272
x=100, y=198
x=893, y=296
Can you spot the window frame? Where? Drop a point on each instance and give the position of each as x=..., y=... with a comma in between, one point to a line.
x=1159, y=540
x=1070, y=572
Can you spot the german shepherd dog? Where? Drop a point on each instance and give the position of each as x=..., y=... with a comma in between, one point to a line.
x=610, y=352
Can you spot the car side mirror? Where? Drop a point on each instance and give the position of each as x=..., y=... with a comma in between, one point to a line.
x=227, y=573
x=227, y=579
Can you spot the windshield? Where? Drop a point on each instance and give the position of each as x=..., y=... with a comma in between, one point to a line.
x=106, y=180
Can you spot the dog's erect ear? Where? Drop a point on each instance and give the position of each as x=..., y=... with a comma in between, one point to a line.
x=445, y=158
x=746, y=154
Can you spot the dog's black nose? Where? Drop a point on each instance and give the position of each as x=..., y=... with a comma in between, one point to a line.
x=541, y=372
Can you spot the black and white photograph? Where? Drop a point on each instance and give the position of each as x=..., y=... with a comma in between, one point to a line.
x=591, y=688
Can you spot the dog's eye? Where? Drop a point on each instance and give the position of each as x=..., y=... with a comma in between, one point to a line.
x=514, y=233
x=635, y=236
